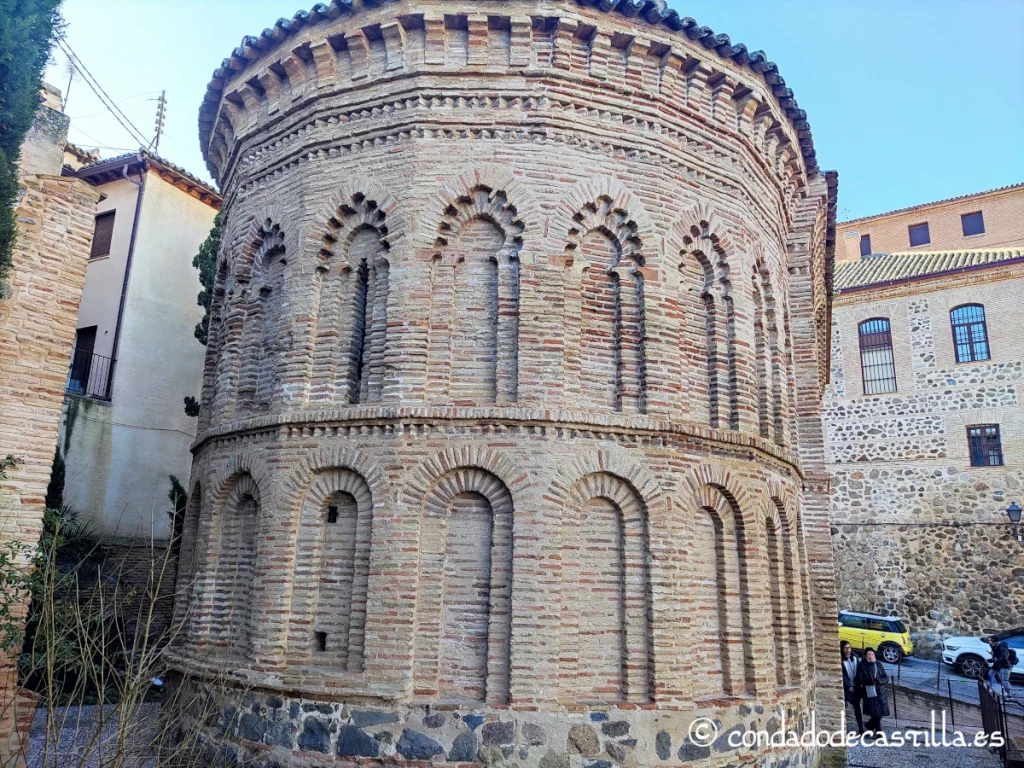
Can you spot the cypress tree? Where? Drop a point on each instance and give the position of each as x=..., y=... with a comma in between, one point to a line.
x=26, y=33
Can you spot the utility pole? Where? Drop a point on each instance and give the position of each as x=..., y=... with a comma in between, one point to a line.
x=161, y=111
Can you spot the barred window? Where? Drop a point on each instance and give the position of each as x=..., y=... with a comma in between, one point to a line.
x=970, y=333
x=877, y=366
x=986, y=445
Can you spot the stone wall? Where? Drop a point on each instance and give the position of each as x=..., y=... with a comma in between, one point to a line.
x=917, y=530
x=37, y=330
x=508, y=418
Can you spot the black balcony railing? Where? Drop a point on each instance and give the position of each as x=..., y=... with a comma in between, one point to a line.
x=90, y=374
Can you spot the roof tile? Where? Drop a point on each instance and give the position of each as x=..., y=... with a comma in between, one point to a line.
x=885, y=268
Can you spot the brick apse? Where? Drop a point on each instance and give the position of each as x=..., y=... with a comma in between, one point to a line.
x=510, y=449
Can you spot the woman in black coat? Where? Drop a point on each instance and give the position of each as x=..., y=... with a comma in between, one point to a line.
x=871, y=679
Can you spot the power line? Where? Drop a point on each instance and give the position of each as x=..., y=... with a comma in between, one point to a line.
x=104, y=111
x=101, y=94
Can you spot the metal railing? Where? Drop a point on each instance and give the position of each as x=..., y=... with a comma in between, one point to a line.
x=90, y=375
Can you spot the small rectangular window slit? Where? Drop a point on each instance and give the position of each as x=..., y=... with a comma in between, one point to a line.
x=332, y=514
x=321, y=642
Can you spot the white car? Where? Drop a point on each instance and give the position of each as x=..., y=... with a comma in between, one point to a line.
x=971, y=654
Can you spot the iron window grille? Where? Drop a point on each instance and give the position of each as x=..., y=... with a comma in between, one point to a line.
x=919, y=234
x=973, y=223
x=986, y=445
x=877, y=365
x=970, y=333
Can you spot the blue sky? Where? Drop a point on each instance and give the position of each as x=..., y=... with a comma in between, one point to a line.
x=910, y=100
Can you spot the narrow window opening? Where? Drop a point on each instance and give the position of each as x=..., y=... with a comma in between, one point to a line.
x=321, y=642
x=878, y=368
x=970, y=333
x=986, y=445
x=973, y=224
x=865, y=245
x=103, y=235
x=332, y=514
x=919, y=234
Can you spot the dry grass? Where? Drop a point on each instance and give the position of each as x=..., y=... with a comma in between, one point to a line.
x=99, y=640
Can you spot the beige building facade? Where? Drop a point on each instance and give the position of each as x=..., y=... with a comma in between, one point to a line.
x=510, y=445
x=125, y=431
x=925, y=430
x=980, y=221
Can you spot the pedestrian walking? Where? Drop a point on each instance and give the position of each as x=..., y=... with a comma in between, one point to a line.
x=849, y=664
x=870, y=681
x=1001, y=664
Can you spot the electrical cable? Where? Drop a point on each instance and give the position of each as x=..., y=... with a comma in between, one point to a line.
x=104, y=111
x=101, y=94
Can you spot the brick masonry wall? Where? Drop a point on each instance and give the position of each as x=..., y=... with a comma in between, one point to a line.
x=37, y=330
x=1002, y=211
x=516, y=354
x=917, y=530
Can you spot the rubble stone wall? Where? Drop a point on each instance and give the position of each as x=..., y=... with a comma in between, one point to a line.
x=500, y=418
x=917, y=530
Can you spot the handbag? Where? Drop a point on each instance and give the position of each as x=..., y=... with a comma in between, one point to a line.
x=871, y=691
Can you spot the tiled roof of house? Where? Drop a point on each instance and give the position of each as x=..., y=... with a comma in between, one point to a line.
x=886, y=268
x=928, y=205
x=654, y=12
x=101, y=169
x=83, y=155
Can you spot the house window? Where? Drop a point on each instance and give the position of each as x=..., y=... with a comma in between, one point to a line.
x=973, y=223
x=919, y=234
x=102, y=235
x=986, y=447
x=877, y=366
x=970, y=334
x=865, y=245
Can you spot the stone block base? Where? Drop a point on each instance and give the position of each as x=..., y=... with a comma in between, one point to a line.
x=266, y=729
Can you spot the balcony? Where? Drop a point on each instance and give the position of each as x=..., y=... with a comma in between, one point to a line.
x=90, y=375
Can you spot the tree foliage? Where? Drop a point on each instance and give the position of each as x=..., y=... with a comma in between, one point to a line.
x=26, y=32
x=55, y=488
x=206, y=262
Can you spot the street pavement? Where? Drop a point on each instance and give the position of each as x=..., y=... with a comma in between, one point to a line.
x=933, y=676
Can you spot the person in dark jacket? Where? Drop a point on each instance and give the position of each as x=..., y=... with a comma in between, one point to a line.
x=1001, y=665
x=849, y=664
x=869, y=682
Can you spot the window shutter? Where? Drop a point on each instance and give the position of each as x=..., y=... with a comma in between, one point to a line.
x=103, y=235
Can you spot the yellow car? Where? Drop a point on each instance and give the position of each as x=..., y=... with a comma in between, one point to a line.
x=888, y=635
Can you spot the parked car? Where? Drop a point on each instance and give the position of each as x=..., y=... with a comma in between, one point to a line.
x=971, y=655
x=888, y=635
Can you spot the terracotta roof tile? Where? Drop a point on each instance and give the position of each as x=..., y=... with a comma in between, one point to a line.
x=886, y=268
x=655, y=12
x=175, y=170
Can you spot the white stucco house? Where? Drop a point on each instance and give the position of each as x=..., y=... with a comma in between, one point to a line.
x=124, y=429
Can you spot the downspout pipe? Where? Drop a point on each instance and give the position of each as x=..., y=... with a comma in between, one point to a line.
x=141, y=184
